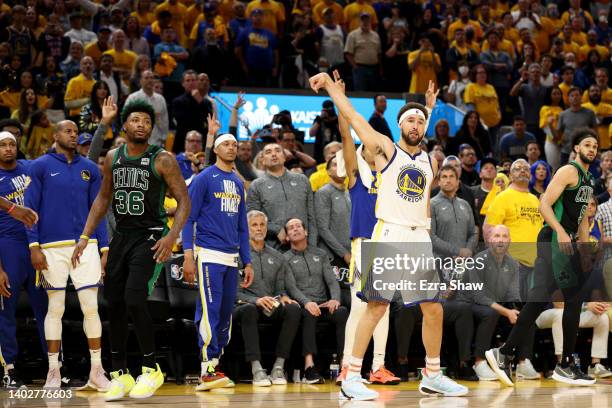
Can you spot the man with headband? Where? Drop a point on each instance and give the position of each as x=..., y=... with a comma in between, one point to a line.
x=136, y=177
x=16, y=270
x=221, y=240
x=403, y=212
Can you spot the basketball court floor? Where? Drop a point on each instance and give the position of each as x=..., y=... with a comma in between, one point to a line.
x=526, y=394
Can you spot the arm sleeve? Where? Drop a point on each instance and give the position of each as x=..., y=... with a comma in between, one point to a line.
x=322, y=207
x=312, y=222
x=330, y=280
x=97, y=142
x=101, y=232
x=33, y=196
x=243, y=231
x=196, y=193
x=292, y=288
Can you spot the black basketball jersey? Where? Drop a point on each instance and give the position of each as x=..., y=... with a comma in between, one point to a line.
x=138, y=191
x=571, y=205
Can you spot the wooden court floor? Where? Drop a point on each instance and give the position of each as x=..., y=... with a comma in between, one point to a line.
x=527, y=394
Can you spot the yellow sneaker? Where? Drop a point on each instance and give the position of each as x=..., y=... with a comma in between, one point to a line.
x=120, y=385
x=147, y=383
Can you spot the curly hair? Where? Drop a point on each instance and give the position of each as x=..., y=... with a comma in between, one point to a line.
x=138, y=105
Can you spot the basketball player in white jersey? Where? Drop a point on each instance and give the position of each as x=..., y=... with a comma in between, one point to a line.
x=406, y=175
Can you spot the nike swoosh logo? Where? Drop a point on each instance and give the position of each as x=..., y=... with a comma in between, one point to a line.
x=215, y=175
x=54, y=174
x=270, y=186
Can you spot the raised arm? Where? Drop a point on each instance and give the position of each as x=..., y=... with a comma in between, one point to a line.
x=371, y=139
x=349, y=152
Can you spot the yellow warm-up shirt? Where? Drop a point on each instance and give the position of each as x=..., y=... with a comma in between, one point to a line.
x=77, y=88
x=424, y=71
x=485, y=101
x=124, y=60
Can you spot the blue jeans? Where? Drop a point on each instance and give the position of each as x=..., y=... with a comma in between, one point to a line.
x=364, y=77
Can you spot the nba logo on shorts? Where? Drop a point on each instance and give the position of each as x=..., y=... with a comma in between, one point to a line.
x=411, y=184
x=176, y=272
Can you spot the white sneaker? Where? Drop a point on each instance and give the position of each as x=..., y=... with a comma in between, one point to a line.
x=526, y=371
x=278, y=376
x=261, y=379
x=97, y=379
x=54, y=379
x=484, y=372
x=599, y=371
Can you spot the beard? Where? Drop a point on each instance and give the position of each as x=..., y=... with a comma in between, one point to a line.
x=595, y=101
x=410, y=141
x=585, y=159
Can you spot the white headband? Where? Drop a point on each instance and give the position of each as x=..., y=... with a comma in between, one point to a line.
x=7, y=135
x=413, y=111
x=224, y=138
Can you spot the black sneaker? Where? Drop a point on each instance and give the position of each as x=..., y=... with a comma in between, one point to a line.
x=10, y=381
x=73, y=384
x=403, y=371
x=467, y=373
x=501, y=364
x=312, y=376
x=572, y=374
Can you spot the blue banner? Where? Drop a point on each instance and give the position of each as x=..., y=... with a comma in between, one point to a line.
x=260, y=108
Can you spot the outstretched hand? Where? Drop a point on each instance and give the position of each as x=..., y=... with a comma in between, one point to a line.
x=213, y=124
x=431, y=95
x=109, y=111
x=240, y=101
x=320, y=81
x=338, y=80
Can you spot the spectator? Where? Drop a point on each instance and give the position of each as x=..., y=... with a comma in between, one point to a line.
x=70, y=66
x=266, y=300
x=330, y=36
x=78, y=90
x=239, y=22
x=456, y=89
x=188, y=112
x=324, y=130
x=116, y=85
x=454, y=234
x=486, y=173
x=549, y=122
x=463, y=22
x=202, y=91
x=257, y=51
x=77, y=32
x=441, y=135
x=273, y=13
x=332, y=207
x=211, y=57
x=592, y=45
x=143, y=13
x=469, y=175
x=576, y=116
x=603, y=112
x=518, y=209
x=532, y=152
x=567, y=82
x=513, y=145
x=606, y=168
x=123, y=58
x=363, y=53
x=532, y=96
x=163, y=54
x=604, y=197
x=525, y=18
x=377, y=120
x=576, y=10
x=35, y=23
x=540, y=177
x=153, y=32
x=28, y=104
x=175, y=18
x=282, y=195
x=353, y=15
x=135, y=41
x=91, y=113
x=463, y=192
x=547, y=77
x=482, y=97
x=19, y=36
x=458, y=54
x=143, y=63
x=40, y=135
x=580, y=79
x=425, y=64
x=499, y=276
x=499, y=67
x=99, y=47
x=313, y=284
x=83, y=144
x=328, y=8
x=320, y=177
x=602, y=28
x=188, y=157
x=296, y=159
x=473, y=133
x=601, y=80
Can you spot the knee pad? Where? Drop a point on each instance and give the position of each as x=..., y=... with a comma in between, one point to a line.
x=55, y=311
x=88, y=298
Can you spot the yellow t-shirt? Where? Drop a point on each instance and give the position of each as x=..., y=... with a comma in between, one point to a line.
x=273, y=13
x=40, y=141
x=504, y=45
x=144, y=19
x=519, y=212
x=542, y=38
x=606, y=96
x=317, y=12
x=585, y=49
x=193, y=14
x=179, y=12
x=226, y=10
x=219, y=27
x=547, y=111
x=565, y=91
x=123, y=60
x=459, y=24
x=352, y=14
x=77, y=88
x=512, y=35
x=603, y=110
x=485, y=101
x=579, y=38
x=93, y=50
x=10, y=99
x=566, y=16
x=424, y=71
x=571, y=47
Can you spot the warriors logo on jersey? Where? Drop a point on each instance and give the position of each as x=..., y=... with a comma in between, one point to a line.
x=411, y=183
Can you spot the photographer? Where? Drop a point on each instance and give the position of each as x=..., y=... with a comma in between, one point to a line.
x=325, y=130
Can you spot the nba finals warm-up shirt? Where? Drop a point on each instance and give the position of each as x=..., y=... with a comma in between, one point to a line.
x=13, y=184
x=219, y=210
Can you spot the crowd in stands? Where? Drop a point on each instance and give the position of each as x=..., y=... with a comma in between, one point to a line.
x=526, y=73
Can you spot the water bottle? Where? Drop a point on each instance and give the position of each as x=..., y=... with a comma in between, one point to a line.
x=576, y=360
x=334, y=368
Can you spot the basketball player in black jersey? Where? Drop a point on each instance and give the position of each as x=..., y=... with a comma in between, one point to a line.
x=135, y=177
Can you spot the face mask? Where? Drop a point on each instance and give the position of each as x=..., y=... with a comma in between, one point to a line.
x=463, y=70
x=571, y=64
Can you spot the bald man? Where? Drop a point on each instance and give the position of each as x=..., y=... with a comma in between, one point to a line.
x=62, y=189
x=78, y=90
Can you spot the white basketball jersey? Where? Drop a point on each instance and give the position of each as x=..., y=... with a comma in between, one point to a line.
x=403, y=192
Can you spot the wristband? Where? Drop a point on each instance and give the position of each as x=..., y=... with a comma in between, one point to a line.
x=11, y=209
x=84, y=237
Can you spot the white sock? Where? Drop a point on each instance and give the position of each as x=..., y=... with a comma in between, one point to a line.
x=354, y=370
x=378, y=361
x=96, y=357
x=54, y=361
x=432, y=366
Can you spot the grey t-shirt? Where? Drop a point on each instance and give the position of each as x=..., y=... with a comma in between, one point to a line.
x=570, y=120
